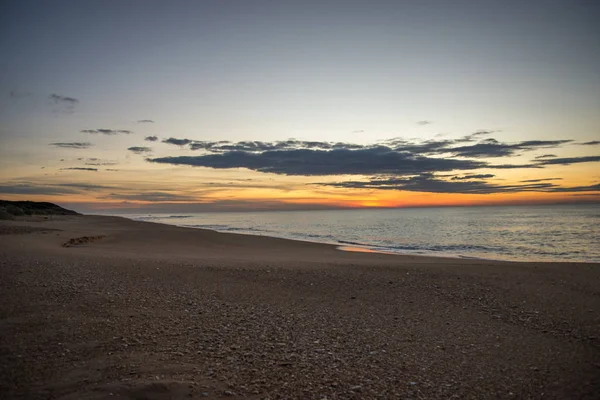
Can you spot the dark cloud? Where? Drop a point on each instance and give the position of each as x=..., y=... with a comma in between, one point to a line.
x=139, y=150
x=475, y=136
x=145, y=121
x=472, y=176
x=428, y=147
x=208, y=146
x=178, y=142
x=545, y=156
x=63, y=99
x=569, y=160
x=378, y=160
x=258, y=146
x=423, y=122
x=531, y=144
x=106, y=131
x=513, y=166
x=592, y=143
x=541, y=180
x=483, y=132
x=249, y=146
x=492, y=148
x=438, y=146
x=63, y=104
x=588, y=188
x=151, y=138
x=72, y=145
x=100, y=163
x=80, y=169
x=484, y=148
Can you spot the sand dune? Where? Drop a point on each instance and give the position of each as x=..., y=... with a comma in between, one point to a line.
x=150, y=311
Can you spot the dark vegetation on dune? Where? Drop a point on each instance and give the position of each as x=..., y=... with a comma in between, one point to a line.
x=11, y=209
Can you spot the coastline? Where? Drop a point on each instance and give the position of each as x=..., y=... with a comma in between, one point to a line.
x=342, y=243
x=148, y=309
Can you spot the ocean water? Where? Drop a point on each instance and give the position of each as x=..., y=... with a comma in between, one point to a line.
x=519, y=233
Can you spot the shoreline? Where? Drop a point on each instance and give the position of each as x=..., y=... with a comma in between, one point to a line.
x=135, y=309
x=359, y=247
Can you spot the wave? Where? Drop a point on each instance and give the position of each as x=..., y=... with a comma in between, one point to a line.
x=354, y=243
x=158, y=217
x=464, y=250
x=224, y=228
x=214, y=227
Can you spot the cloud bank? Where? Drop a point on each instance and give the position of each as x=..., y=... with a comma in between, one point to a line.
x=396, y=164
x=378, y=160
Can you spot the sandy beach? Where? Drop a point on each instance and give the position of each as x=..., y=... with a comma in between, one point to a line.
x=95, y=307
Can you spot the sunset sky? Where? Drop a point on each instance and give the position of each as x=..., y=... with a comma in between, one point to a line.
x=245, y=105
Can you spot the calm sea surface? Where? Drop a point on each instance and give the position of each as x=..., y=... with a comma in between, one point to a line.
x=529, y=233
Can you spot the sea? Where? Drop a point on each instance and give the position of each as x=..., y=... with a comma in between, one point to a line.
x=514, y=233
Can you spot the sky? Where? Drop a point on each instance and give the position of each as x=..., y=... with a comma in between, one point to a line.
x=283, y=105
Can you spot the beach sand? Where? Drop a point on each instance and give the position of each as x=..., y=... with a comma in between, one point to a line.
x=98, y=307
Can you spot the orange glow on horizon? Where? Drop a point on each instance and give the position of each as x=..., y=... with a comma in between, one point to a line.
x=355, y=200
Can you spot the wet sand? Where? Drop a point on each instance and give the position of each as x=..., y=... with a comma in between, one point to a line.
x=138, y=310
